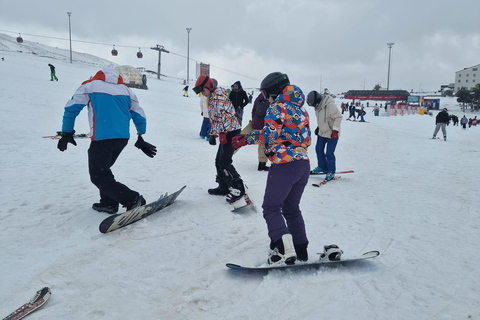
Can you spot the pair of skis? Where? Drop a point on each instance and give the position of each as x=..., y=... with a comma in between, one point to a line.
x=326, y=181
x=36, y=302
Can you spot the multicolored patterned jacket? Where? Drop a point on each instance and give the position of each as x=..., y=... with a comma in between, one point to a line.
x=287, y=128
x=221, y=112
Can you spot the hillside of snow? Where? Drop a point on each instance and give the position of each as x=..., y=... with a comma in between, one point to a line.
x=412, y=198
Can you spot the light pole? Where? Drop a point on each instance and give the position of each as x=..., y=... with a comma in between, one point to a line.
x=70, y=32
x=390, y=44
x=188, y=53
x=160, y=49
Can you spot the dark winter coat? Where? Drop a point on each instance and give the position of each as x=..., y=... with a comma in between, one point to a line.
x=442, y=117
x=238, y=97
x=52, y=68
x=257, y=121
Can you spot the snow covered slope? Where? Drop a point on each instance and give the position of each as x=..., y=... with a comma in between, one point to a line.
x=413, y=199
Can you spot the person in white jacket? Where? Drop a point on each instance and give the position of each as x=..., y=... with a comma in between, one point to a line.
x=329, y=120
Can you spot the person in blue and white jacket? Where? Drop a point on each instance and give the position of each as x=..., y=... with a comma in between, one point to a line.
x=111, y=105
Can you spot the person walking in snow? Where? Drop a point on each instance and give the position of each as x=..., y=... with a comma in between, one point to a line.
x=225, y=126
x=287, y=136
x=441, y=121
x=329, y=121
x=111, y=105
x=52, y=73
x=205, y=129
x=185, y=91
x=352, y=111
x=464, y=122
x=239, y=99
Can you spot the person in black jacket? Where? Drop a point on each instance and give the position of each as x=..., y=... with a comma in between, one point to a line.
x=239, y=99
x=52, y=73
x=441, y=121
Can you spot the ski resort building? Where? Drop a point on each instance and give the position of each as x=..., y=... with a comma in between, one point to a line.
x=467, y=78
x=387, y=95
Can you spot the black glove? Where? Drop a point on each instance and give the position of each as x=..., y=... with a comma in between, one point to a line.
x=212, y=140
x=316, y=131
x=65, y=138
x=147, y=148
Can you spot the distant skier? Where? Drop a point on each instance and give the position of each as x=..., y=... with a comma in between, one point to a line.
x=110, y=105
x=361, y=114
x=441, y=122
x=329, y=121
x=239, y=99
x=464, y=122
x=52, y=73
x=185, y=91
x=351, y=110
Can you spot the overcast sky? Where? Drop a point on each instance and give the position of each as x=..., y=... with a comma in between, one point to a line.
x=337, y=44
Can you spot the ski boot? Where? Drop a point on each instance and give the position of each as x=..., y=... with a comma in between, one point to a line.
x=318, y=170
x=282, y=251
x=101, y=207
x=331, y=253
x=138, y=201
x=262, y=166
x=301, y=251
x=330, y=176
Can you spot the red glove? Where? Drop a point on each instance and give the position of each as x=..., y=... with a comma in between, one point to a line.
x=223, y=138
x=334, y=134
x=239, y=141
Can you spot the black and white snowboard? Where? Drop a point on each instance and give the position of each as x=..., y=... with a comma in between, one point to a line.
x=36, y=302
x=315, y=264
x=121, y=220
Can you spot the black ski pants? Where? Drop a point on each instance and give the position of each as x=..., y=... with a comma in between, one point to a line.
x=223, y=160
x=101, y=157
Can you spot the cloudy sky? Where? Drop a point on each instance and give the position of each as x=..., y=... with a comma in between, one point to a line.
x=334, y=44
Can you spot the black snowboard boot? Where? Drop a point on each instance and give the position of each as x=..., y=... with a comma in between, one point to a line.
x=222, y=189
x=236, y=190
x=262, y=166
x=137, y=202
x=301, y=250
x=101, y=207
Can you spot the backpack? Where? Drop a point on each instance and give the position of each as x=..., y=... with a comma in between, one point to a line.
x=262, y=108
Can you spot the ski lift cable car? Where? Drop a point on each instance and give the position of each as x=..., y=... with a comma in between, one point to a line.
x=114, y=51
x=139, y=53
x=19, y=38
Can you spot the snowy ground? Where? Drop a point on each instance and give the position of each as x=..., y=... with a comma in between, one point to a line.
x=412, y=198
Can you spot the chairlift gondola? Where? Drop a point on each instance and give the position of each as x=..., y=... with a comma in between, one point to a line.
x=139, y=54
x=19, y=38
x=114, y=51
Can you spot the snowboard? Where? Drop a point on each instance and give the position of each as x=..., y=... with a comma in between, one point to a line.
x=302, y=265
x=243, y=202
x=36, y=302
x=121, y=220
x=325, y=182
x=76, y=136
x=337, y=172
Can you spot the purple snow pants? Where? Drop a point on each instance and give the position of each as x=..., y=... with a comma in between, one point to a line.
x=281, y=210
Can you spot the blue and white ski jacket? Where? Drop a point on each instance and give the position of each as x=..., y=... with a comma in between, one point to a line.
x=111, y=105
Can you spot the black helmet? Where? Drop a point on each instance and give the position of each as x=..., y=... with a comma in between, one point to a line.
x=313, y=98
x=273, y=84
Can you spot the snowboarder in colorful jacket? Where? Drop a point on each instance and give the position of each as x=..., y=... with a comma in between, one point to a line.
x=287, y=136
x=111, y=105
x=224, y=125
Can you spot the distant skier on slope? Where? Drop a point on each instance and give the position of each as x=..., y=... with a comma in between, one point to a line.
x=287, y=136
x=110, y=105
x=225, y=125
x=441, y=121
x=52, y=73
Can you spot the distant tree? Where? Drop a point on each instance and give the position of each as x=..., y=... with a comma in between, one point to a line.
x=464, y=97
x=377, y=87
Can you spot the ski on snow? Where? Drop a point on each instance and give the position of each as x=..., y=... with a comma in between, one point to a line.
x=315, y=264
x=36, y=302
x=117, y=221
x=325, y=182
x=338, y=172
